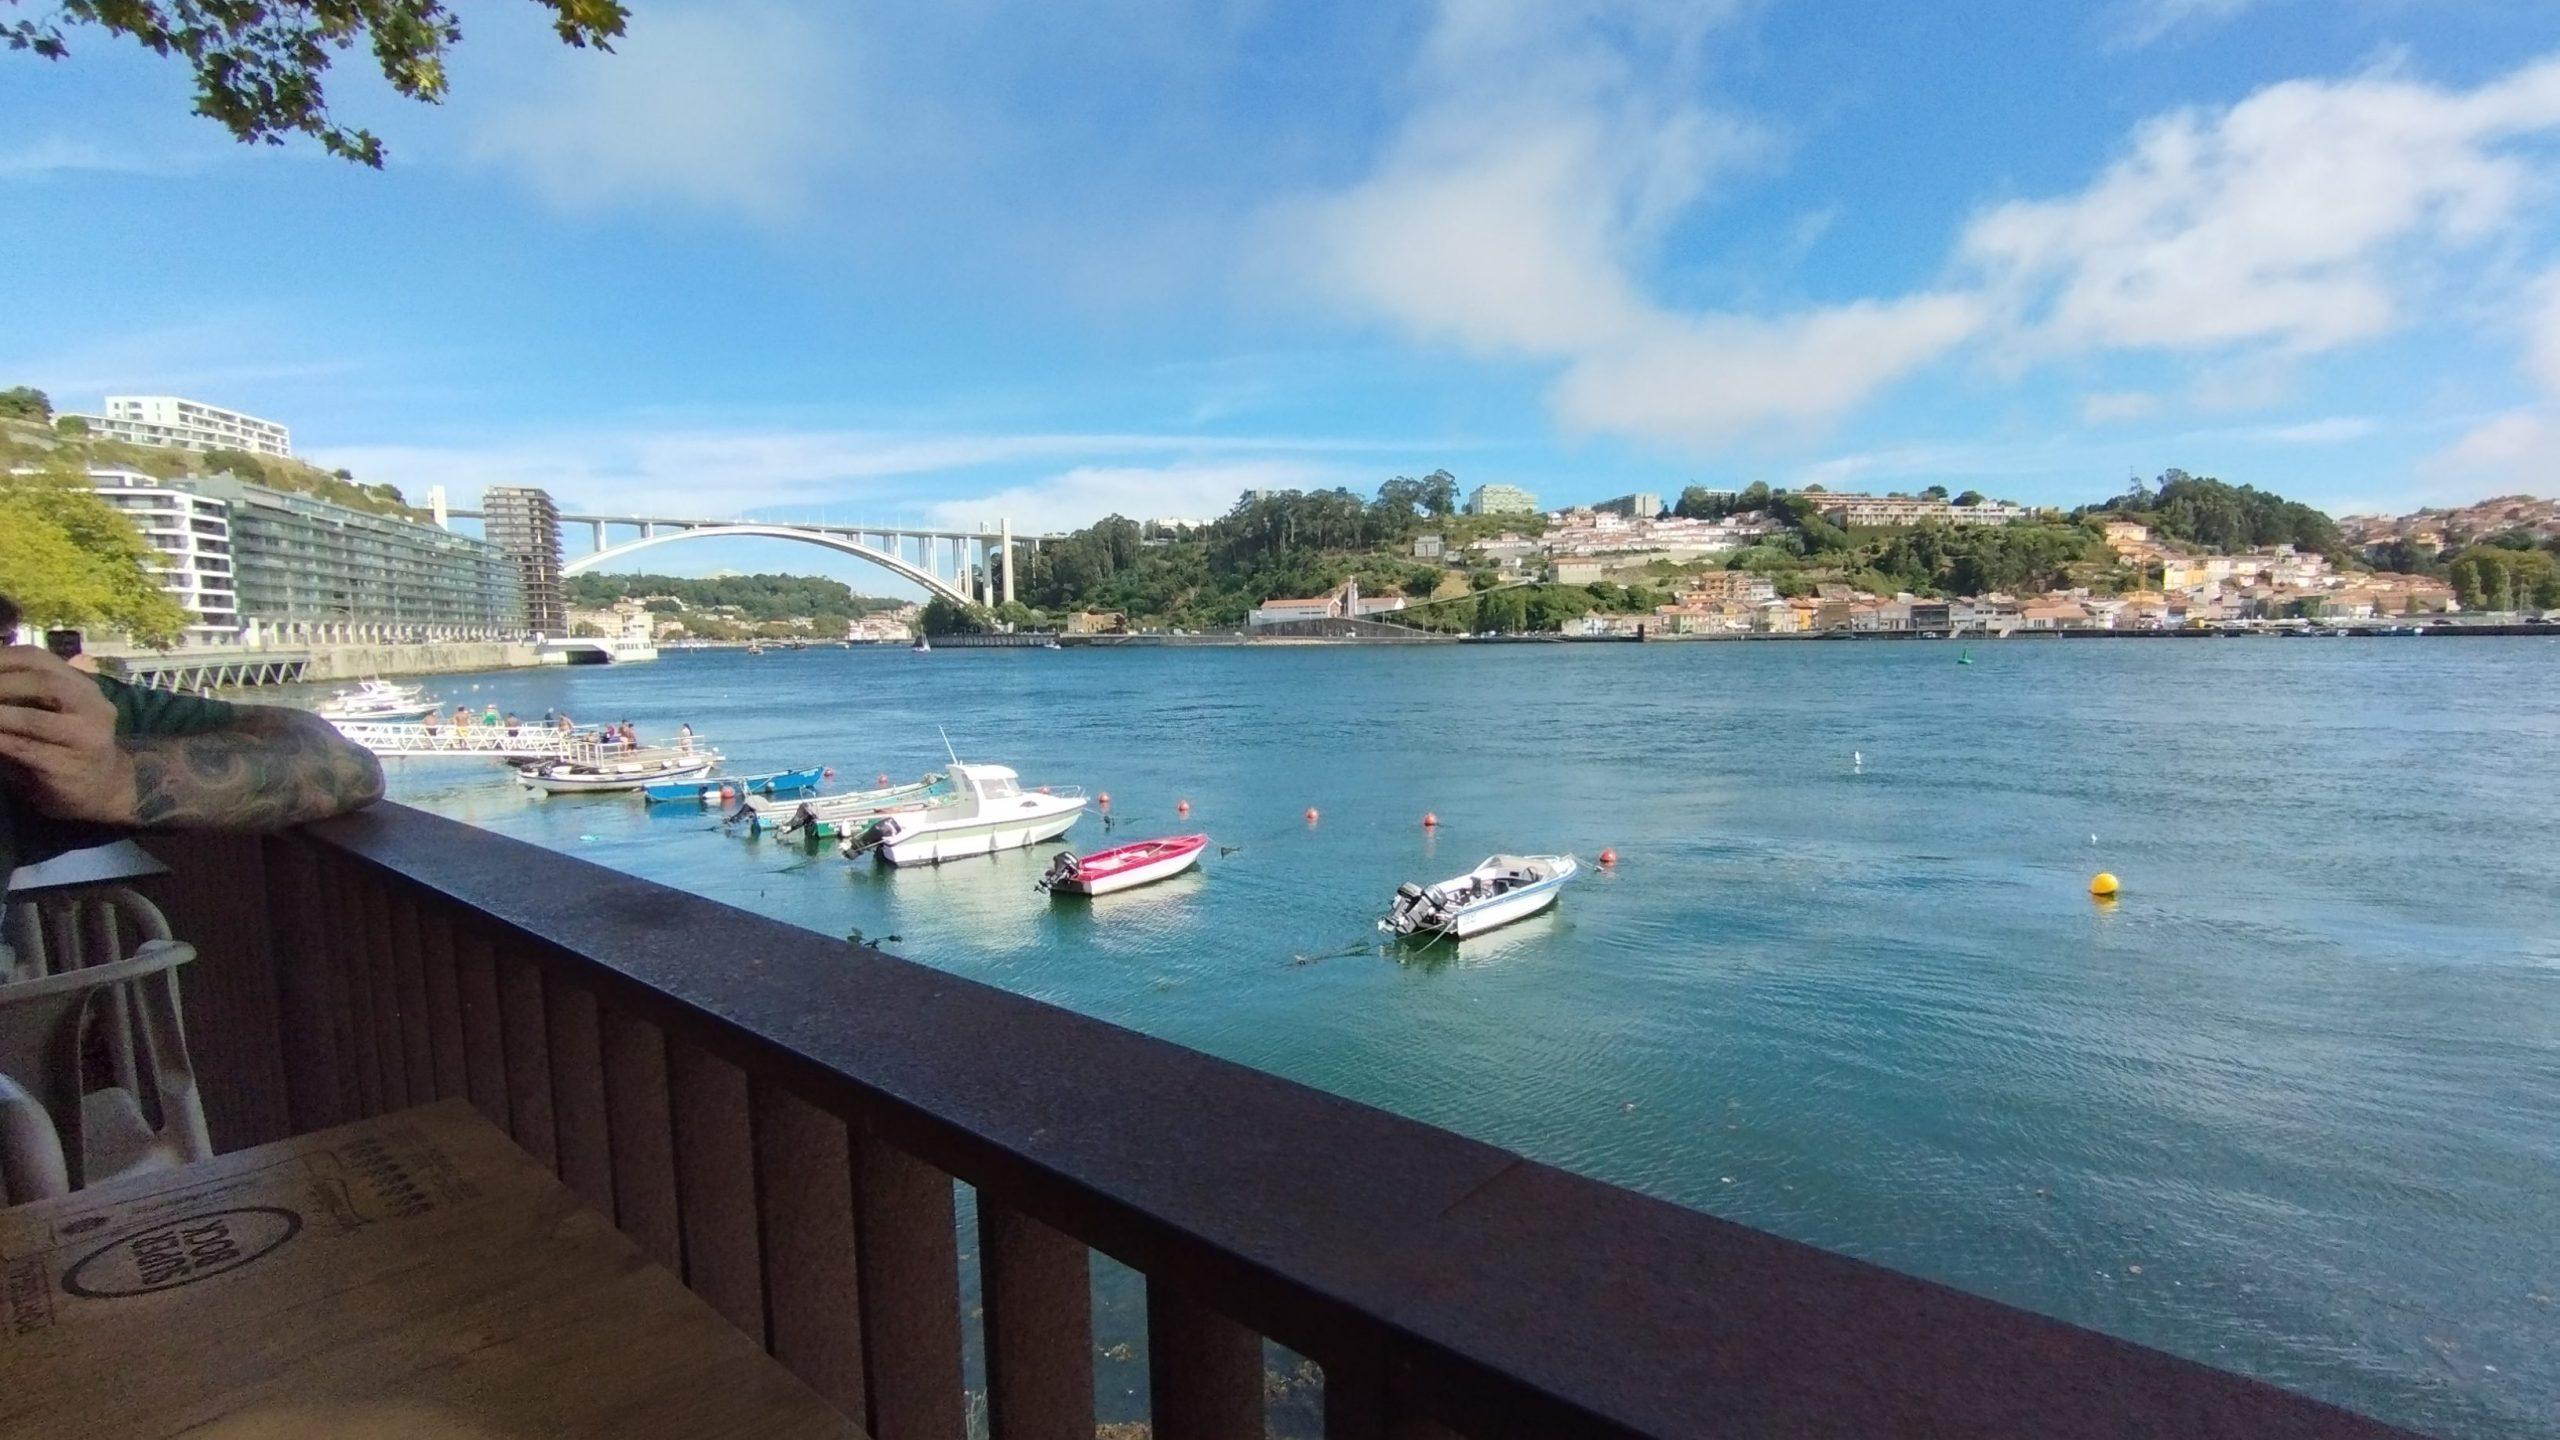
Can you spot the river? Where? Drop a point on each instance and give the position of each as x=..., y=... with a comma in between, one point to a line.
x=2290, y=1107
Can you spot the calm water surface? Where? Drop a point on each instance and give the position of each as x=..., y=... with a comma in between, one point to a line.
x=2291, y=1108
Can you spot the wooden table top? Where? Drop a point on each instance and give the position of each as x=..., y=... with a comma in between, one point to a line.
x=415, y=1275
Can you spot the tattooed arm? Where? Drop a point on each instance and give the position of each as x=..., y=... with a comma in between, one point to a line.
x=271, y=769
x=267, y=768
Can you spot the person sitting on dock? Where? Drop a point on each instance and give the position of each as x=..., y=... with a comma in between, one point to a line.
x=84, y=758
x=515, y=726
x=684, y=737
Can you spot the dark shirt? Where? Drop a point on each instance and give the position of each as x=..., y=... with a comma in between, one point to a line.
x=27, y=837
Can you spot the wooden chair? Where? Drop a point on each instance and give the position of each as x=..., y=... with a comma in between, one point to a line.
x=71, y=975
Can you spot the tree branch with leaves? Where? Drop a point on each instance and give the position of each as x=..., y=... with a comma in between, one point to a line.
x=259, y=64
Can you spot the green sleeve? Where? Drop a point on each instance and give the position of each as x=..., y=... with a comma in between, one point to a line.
x=165, y=712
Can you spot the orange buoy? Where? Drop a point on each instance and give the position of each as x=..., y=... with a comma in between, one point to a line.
x=1608, y=857
x=1430, y=821
x=1106, y=797
x=827, y=774
x=728, y=794
x=1182, y=807
x=1311, y=814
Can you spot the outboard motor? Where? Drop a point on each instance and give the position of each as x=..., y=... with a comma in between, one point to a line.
x=1061, y=870
x=868, y=838
x=1401, y=916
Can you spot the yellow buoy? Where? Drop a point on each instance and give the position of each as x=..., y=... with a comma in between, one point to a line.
x=2102, y=885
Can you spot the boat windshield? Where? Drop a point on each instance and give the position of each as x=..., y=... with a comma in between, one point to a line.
x=999, y=789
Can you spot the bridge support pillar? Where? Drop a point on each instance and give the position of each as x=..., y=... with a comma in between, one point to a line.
x=599, y=529
x=1006, y=555
x=648, y=529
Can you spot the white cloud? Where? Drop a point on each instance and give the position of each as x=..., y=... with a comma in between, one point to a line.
x=45, y=156
x=2518, y=449
x=2289, y=221
x=1712, y=378
x=1552, y=146
x=2332, y=430
x=2144, y=22
x=2109, y=407
x=1186, y=490
x=735, y=109
x=853, y=475
x=2542, y=333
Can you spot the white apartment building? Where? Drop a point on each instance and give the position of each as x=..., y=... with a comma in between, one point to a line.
x=193, y=535
x=174, y=423
x=1863, y=511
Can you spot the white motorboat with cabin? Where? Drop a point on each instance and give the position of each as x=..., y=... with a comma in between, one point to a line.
x=378, y=700
x=1504, y=889
x=993, y=812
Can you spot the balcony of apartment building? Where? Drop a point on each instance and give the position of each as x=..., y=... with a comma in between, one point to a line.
x=797, y=1126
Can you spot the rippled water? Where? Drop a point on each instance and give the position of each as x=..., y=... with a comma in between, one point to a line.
x=2305, y=1076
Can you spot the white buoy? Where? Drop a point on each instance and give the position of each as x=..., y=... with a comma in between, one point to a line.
x=1857, y=760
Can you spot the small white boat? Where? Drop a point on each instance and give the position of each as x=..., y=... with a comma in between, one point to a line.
x=378, y=700
x=605, y=770
x=1124, y=867
x=1503, y=889
x=993, y=813
x=826, y=815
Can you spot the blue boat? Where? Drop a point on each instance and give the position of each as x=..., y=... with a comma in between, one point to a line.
x=706, y=790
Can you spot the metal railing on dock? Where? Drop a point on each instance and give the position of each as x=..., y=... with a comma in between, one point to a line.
x=786, y=1135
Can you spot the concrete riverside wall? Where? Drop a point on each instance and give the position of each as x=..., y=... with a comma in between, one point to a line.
x=438, y=657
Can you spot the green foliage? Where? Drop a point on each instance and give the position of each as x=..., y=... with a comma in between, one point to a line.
x=2493, y=577
x=278, y=473
x=1969, y=499
x=1934, y=492
x=1697, y=502
x=75, y=426
x=259, y=68
x=2398, y=555
x=759, y=598
x=2204, y=511
x=1978, y=559
x=69, y=558
x=943, y=616
x=25, y=402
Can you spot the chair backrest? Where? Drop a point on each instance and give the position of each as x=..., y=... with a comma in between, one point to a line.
x=43, y=1020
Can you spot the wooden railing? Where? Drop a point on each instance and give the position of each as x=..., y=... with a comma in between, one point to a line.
x=779, y=1117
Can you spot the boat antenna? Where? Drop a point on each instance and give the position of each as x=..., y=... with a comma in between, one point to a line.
x=946, y=744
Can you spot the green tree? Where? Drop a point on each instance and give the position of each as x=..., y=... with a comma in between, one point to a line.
x=260, y=68
x=69, y=558
x=2204, y=511
x=943, y=616
x=25, y=402
x=75, y=426
x=1934, y=492
x=1440, y=494
x=1969, y=499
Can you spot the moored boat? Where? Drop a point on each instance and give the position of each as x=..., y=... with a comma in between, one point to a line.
x=596, y=769
x=708, y=788
x=827, y=815
x=1124, y=867
x=1503, y=889
x=993, y=813
x=378, y=700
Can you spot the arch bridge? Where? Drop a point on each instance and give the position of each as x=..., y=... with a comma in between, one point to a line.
x=967, y=566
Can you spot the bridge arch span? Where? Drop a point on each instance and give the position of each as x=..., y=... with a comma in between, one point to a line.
x=933, y=583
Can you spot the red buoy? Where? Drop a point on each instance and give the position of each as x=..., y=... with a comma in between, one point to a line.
x=827, y=774
x=1182, y=808
x=1311, y=814
x=1106, y=799
x=881, y=779
x=1430, y=821
x=1608, y=857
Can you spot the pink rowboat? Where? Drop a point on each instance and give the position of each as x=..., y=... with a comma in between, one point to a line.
x=1124, y=867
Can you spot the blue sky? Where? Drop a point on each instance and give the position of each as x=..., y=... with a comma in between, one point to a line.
x=988, y=258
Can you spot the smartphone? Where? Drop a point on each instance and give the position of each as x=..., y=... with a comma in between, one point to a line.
x=65, y=643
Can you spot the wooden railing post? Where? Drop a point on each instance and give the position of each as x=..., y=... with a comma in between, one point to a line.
x=1037, y=1286
x=910, y=1289
x=716, y=1185
x=804, y=1187
x=642, y=1135
x=1204, y=1371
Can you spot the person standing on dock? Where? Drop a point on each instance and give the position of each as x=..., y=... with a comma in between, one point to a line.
x=684, y=737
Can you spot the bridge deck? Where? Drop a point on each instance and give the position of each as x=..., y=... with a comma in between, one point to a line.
x=528, y=742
